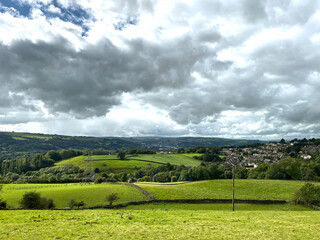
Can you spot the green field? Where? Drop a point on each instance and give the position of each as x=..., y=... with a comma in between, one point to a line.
x=92, y=195
x=159, y=224
x=107, y=163
x=222, y=189
x=220, y=207
x=174, y=159
x=111, y=164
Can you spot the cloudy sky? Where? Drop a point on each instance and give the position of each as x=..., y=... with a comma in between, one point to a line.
x=236, y=68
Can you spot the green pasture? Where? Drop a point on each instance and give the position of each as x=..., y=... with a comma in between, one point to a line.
x=222, y=189
x=107, y=163
x=26, y=136
x=220, y=207
x=192, y=154
x=159, y=224
x=111, y=164
x=91, y=194
x=174, y=159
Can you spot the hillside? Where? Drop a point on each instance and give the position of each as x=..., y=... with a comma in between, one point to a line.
x=94, y=194
x=13, y=144
x=111, y=164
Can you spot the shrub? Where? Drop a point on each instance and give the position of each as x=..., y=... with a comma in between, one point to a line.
x=99, y=180
x=174, y=179
x=308, y=193
x=112, y=198
x=3, y=204
x=33, y=200
x=145, y=179
x=73, y=203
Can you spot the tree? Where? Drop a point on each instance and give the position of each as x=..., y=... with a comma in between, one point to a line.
x=33, y=200
x=3, y=204
x=282, y=141
x=121, y=155
x=112, y=198
x=161, y=177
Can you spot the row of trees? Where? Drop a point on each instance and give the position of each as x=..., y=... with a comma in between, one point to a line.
x=42, y=160
x=286, y=169
x=289, y=169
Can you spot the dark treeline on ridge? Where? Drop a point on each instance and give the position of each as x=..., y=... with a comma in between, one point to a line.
x=14, y=144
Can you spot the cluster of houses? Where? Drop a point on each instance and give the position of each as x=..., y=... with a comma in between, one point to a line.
x=268, y=153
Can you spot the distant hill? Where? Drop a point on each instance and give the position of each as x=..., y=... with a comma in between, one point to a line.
x=13, y=144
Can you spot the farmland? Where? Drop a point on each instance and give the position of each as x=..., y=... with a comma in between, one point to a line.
x=111, y=164
x=221, y=189
x=94, y=194
x=159, y=224
x=174, y=159
x=161, y=220
x=107, y=163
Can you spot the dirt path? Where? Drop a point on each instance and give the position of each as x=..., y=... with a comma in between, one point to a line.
x=146, y=193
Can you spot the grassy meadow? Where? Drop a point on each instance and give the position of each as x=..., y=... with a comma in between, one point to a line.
x=91, y=194
x=111, y=164
x=94, y=194
x=220, y=207
x=159, y=224
x=222, y=189
x=107, y=163
x=174, y=159
x=161, y=220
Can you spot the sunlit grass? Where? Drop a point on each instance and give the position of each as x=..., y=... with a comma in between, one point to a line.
x=222, y=189
x=91, y=194
x=159, y=224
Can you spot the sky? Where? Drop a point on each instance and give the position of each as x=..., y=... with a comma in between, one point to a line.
x=245, y=69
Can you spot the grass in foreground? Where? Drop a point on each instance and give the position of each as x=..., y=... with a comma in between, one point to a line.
x=159, y=224
x=221, y=207
x=222, y=189
x=61, y=194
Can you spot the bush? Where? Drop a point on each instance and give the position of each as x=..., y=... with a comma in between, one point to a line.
x=73, y=203
x=112, y=198
x=47, y=203
x=174, y=179
x=3, y=204
x=33, y=200
x=99, y=180
x=145, y=179
x=121, y=155
x=308, y=193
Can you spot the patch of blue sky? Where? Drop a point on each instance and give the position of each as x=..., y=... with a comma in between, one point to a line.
x=14, y=6
x=74, y=14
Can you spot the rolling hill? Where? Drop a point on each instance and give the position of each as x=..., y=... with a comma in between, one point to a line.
x=14, y=144
x=111, y=164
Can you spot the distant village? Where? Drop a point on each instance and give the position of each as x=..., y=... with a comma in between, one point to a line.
x=269, y=153
x=272, y=152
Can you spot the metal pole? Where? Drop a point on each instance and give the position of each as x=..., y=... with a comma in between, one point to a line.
x=232, y=188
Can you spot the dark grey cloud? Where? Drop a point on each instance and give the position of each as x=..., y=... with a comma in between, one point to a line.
x=90, y=81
